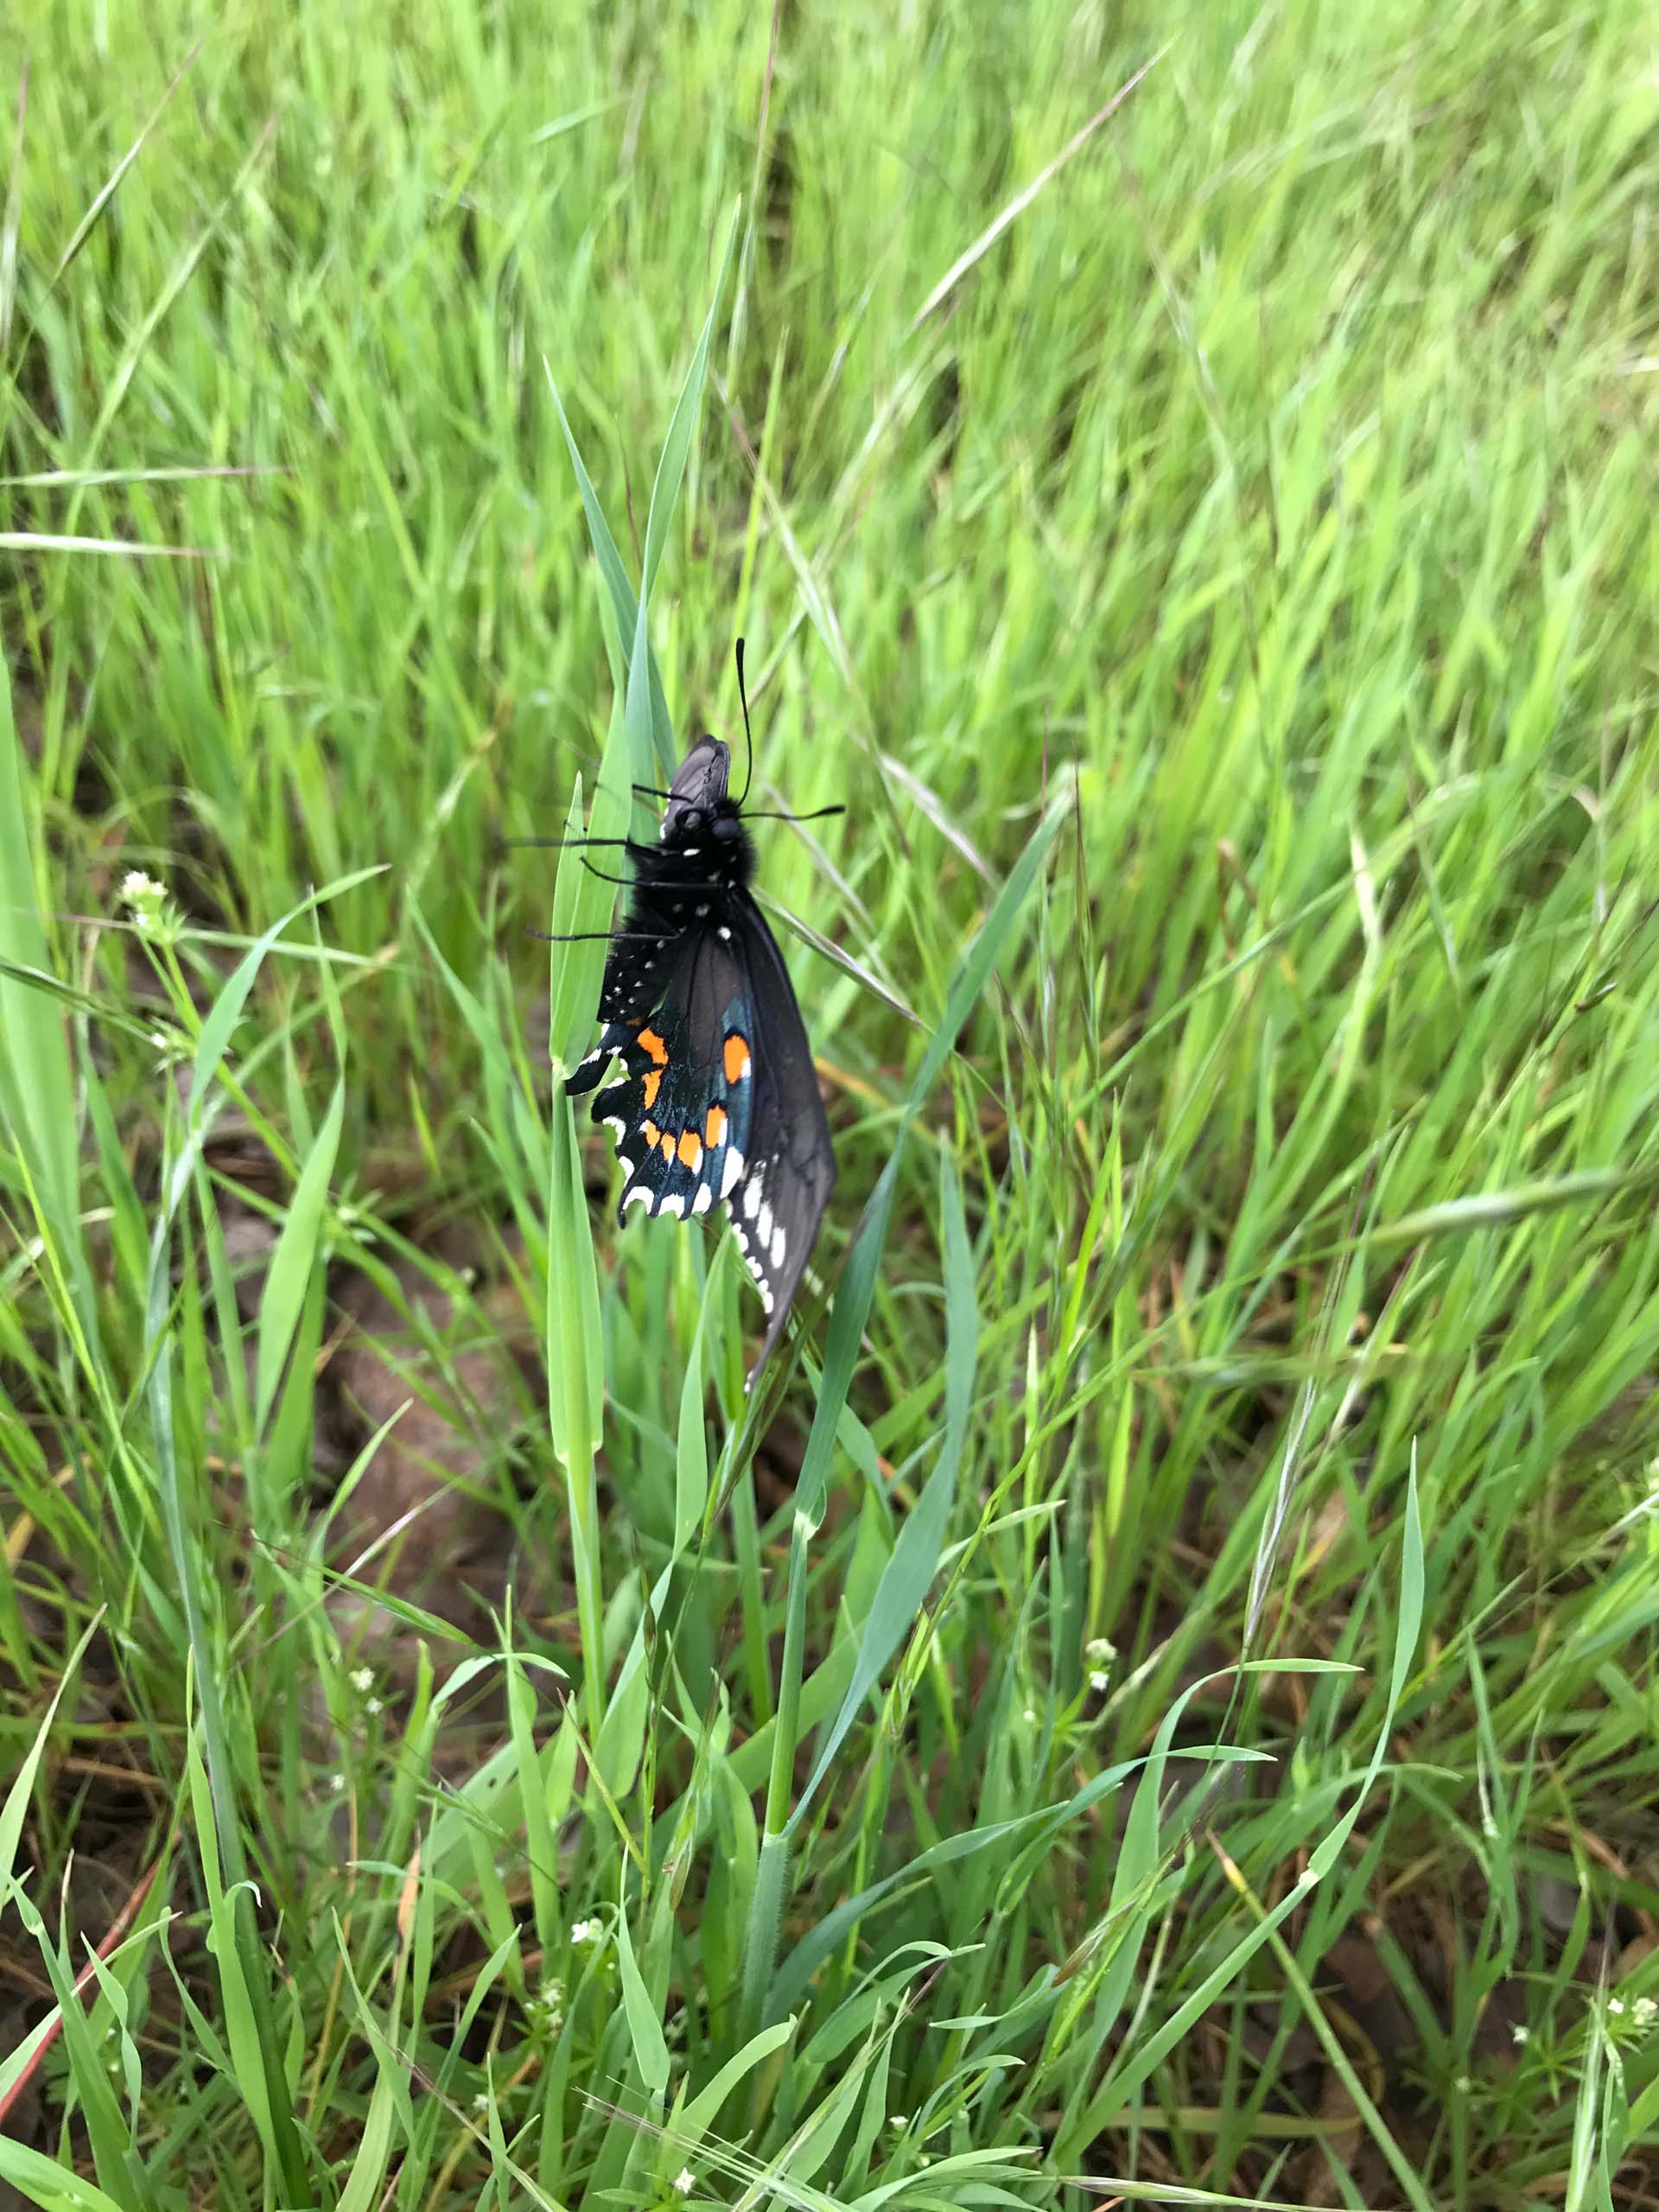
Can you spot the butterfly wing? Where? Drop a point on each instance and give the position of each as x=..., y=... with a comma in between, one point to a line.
x=717, y=1100
x=680, y=1110
x=789, y=1164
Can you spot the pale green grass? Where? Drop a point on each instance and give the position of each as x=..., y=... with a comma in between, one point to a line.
x=1222, y=1543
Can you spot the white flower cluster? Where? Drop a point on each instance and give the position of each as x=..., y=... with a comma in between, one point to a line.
x=146, y=902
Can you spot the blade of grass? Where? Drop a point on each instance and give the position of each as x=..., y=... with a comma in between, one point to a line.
x=36, y=1096
x=854, y=1295
x=291, y=1264
x=14, y=1810
x=1017, y=207
x=1130, y=2068
x=245, y=1966
x=106, y=192
x=909, y=1573
x=644, y=2029
x=46, y=2181
x=1404, y=2173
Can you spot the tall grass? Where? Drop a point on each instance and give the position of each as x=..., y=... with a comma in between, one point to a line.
x=1154, y=1702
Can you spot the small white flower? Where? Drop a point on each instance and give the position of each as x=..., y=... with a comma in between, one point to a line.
x=1031, y=1716
x=1463, y=2085
x=480, y=2102
x=685, y=2181
x=1101, y=1649
x=374, y=1705
x=584, y=1931
x=898, y=2121
x=1520, y=2033
x=1100, y=1680
x=1645, y=2011
x=546, y=2007
x=146, y=900
x=1614, y=2004
x=361, y=1678
x=336, y=1783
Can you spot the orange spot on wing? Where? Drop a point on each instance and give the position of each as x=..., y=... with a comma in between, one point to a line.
x=653, y=1084
x=649, y=1131
x=737, y=1058
x=690, y=1149
x=667, y=1144
x=714, y=1128
x=651, y=1043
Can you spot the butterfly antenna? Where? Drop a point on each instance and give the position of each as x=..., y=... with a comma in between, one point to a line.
x=764, y=814
x=748, y=735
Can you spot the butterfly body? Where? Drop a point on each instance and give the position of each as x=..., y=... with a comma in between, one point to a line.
x=717, y=1100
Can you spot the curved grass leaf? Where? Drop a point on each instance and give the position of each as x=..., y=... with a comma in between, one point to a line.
x=909, y=1573
x=645, y=2028
x=291, y=1264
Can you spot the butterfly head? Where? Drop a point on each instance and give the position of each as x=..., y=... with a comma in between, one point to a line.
x=701, y=820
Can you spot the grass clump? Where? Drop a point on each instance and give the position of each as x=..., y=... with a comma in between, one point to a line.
x=1157, y=1702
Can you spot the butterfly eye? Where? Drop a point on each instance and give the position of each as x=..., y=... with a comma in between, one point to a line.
x=724, y=828
x=692, y=818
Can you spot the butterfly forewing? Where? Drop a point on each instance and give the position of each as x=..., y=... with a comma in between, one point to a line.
x=790, y=1167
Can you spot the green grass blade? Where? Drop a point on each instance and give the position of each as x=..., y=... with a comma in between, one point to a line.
x=44, y=2182
x=625, y=605
x=36, y=1098
x=1132, y=2068
x=854, y=1295
x=681, y=428
x=291, y=1264
x=231, y=1001
x=15, y=1811
x=909, y=1573
x=645, y=2028
x=575, y=1386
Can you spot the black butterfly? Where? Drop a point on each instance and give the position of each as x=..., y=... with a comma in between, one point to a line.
x=717, y=1102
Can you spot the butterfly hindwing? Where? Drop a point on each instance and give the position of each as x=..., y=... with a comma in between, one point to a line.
x=680, y=1110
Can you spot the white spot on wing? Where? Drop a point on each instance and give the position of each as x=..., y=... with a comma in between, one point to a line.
x=732, y=1174
x=779, y=1244
x=763, y=1223
x=751, y=1198
x=704, y=1198
x=635, y=1195
x=672, y=1202
x=615, y=1122
x=722, y=932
